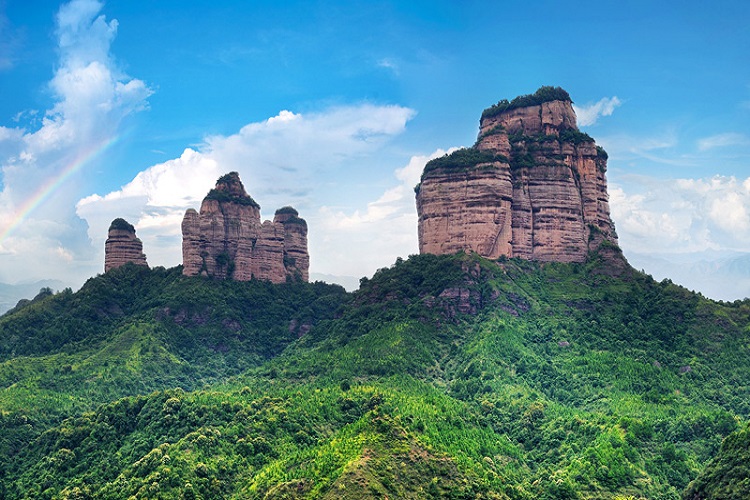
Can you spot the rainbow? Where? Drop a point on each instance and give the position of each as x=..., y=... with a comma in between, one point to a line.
x=54, y=183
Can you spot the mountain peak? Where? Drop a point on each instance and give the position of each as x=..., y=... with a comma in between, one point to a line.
x=533, y=186
x=229, y=189
x=548, y=111
x=227, y=239
x=543, y=95
x=122, y=246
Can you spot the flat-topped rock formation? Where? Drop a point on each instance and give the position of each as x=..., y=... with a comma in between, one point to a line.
x=227, y=240
x=533, y=186
x=122, y=246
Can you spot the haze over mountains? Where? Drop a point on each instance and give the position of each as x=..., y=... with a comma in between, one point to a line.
x=11, y=294
x=720, y=278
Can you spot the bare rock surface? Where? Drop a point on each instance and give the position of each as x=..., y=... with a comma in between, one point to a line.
x=533, y=186
x=227, y=240
x=122, y=246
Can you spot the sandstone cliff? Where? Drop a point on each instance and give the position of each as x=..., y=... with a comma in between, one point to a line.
x=122, y=246
x=227, y=240
x=533, y=186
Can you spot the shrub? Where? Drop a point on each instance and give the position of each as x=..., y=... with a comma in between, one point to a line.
x=461, y=159
x=542, y=95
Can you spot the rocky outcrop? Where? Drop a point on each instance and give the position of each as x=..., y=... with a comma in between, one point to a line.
x=533, y=186
x=227, y=240
x=122, y=246
x=296, y=257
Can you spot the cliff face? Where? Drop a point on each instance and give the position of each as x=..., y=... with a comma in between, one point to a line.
x=533, y=186
x=122, y=246
x=227, y=240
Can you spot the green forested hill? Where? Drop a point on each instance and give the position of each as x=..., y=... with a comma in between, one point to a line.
x=727, y=476
x=135, y=330
x=442, y=377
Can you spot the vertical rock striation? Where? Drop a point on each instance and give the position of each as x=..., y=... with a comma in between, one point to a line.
x=533, y=186
x=296, y=257
x=122, y=246
x=227, y=240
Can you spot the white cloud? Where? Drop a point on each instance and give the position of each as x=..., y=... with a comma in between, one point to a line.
x=44, y=167
x=155, y=202
x=357, y=243
x=682, y=215
x=731, y=212
x=282, y=150
x=289, y=159
x=723, y=140
x=590, y=113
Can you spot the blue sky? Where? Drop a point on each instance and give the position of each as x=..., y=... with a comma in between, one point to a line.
x=133, y=109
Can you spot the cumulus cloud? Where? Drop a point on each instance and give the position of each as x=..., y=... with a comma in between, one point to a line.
x=155, y=201
x=682, y=215
x=361, y=241
x=287, y=159
x=43, y=169
x=590, y=113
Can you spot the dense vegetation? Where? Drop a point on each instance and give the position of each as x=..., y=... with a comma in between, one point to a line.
x=726, y=477
x=287, y=210
x=292, y=216
x=227, y=195
x=134, y=330
x=442, y=377
x=543, y=94
x=460, y=160
x=122, y=225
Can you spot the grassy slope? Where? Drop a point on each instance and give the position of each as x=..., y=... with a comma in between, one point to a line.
x=442, y=377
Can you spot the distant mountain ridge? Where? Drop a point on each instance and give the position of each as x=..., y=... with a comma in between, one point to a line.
x=11, y=294
x=720, y=277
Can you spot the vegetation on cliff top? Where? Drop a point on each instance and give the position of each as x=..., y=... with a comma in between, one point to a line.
x=291, y=216
x=229, y=189
x=542, y=95
x=225, y=197
x=122, y=225
x=442, y=377
x=287, y=210
x=461, y=159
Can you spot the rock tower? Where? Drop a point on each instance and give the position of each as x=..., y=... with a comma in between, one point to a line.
x=533, y=186
x=122, y=246
x=227, y=240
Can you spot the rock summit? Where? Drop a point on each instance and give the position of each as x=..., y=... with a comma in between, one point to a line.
x=122, y=246
x=227, y=240
x=533, y=186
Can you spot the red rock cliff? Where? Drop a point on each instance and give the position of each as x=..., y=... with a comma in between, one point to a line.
x=533, y=186
x=227, y=240
x=122, y=246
